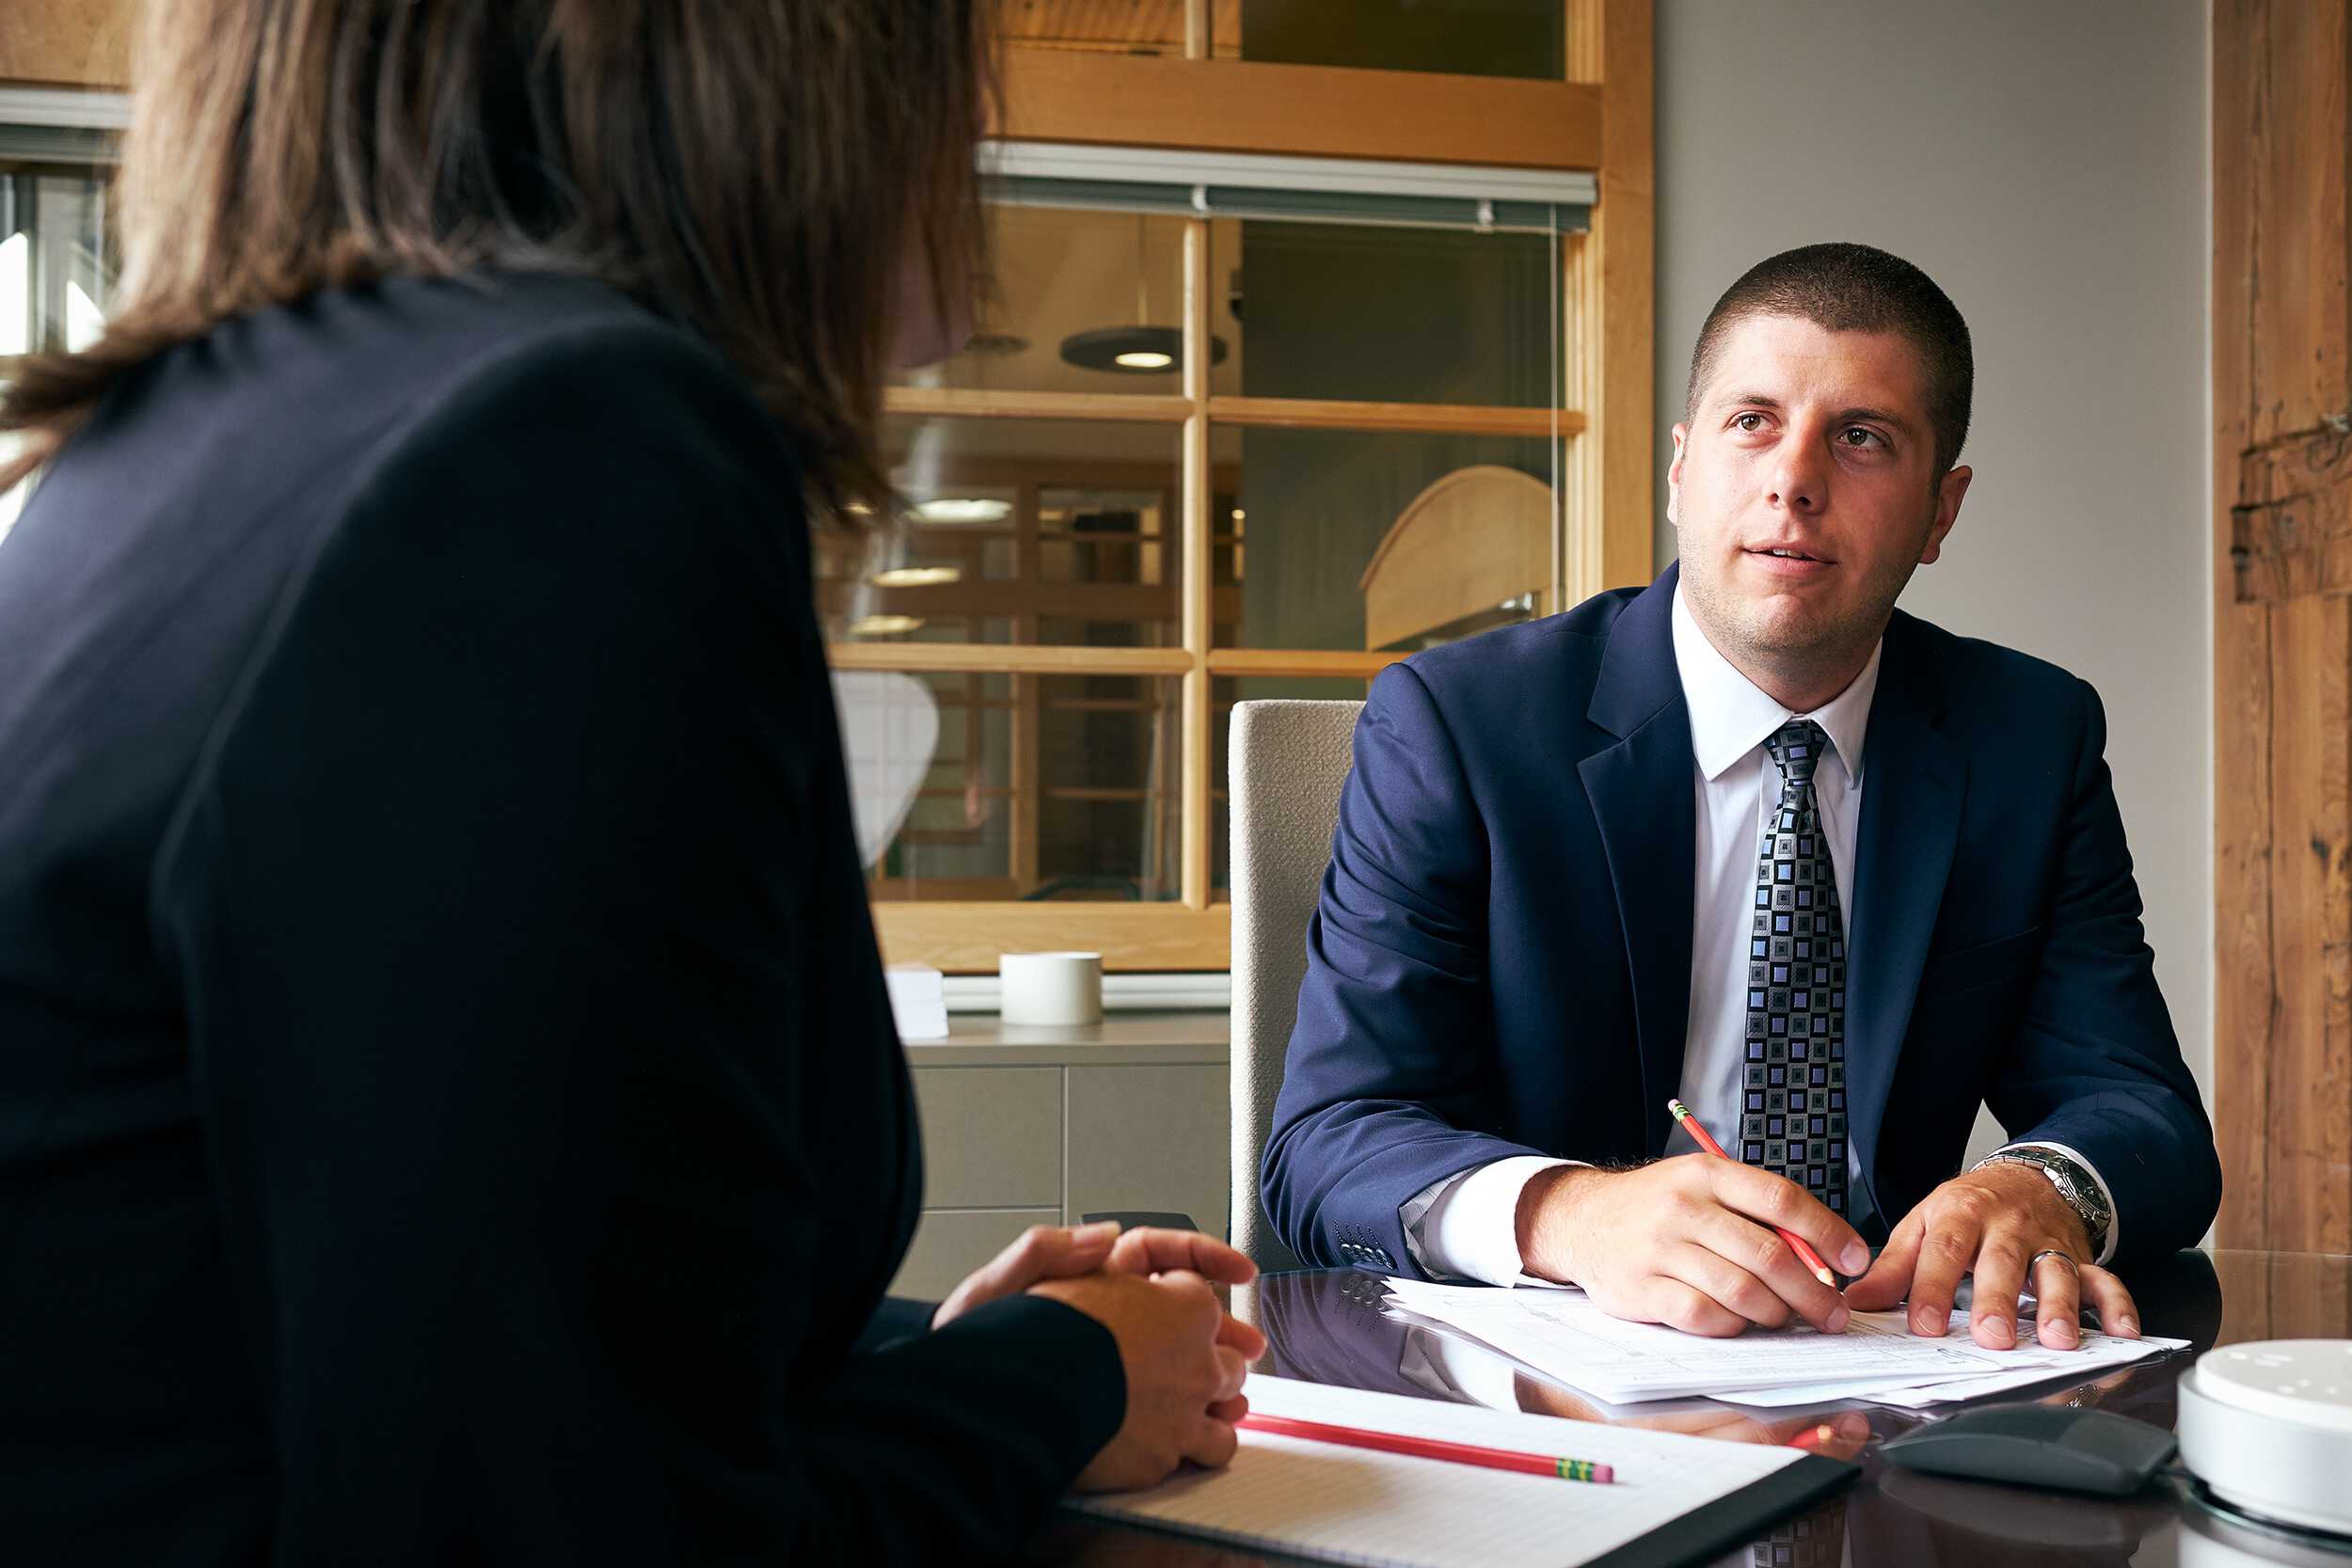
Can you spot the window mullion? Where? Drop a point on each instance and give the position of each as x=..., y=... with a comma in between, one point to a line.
x=1200, y=561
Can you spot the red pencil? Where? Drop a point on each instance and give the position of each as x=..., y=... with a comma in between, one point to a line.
x=1811, y=1258
x=1433, y=1447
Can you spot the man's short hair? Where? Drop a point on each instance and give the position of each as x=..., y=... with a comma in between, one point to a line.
x=1853, y=288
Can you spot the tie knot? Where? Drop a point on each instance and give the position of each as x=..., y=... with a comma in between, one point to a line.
x=1796, y=746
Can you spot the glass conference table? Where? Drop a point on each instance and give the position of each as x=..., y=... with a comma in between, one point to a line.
x=1328, y=1325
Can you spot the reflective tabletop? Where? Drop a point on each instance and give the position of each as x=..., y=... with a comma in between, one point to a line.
x=1329, y=1325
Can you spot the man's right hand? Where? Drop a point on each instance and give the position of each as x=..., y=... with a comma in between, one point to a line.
x=1687, y=1242
x=1185, y=1360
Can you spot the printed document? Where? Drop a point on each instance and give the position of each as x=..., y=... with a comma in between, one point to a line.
x=1562, y=1334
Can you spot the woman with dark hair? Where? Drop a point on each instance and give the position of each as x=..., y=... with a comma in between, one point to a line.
x=449, y=1108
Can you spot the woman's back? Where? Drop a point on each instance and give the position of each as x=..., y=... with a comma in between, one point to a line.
x=434, y=972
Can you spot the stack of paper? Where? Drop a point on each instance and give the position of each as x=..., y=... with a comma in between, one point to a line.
x=918, y=1001
x=1398, y=1510
x=1562, y=1334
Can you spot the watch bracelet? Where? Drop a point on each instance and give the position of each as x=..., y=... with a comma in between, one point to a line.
x=2051, y=1163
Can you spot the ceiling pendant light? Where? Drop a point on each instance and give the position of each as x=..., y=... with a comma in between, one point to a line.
x=1139, y=350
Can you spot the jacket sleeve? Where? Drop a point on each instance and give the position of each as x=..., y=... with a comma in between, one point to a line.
x=502, y=898
x=2095, y=1065
x=1389, y=1074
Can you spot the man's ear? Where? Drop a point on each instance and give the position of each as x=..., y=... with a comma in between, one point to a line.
x=1674, y=475
x=1949, y=490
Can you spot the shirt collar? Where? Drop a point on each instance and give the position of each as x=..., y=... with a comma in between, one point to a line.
x=1730, y=716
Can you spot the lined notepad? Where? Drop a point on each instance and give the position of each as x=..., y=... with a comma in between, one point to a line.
x=1396, y=1511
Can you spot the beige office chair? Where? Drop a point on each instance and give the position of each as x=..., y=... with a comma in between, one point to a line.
x=1288, y=762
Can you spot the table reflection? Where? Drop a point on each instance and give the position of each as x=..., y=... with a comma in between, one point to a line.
x=1332, y=1326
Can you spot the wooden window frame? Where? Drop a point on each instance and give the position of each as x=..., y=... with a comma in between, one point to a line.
x=1598, y=119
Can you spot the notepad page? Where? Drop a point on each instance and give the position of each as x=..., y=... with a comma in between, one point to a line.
x=1397, y=1510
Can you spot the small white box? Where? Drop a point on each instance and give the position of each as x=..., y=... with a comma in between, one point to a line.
x=918, y=1001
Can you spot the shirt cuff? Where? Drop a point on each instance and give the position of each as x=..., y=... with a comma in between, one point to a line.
x=1467, y=1227
x=2115, y=1218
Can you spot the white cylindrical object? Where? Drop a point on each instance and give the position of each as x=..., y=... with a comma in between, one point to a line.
x=1050, y=988
x=2268, y=1427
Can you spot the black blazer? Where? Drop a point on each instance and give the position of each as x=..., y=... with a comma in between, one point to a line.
x=449, y=1107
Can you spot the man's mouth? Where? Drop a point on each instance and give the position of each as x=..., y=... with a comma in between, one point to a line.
x=1793, y=555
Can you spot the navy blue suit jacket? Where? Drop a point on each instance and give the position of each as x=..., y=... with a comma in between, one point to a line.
x=1501, y=960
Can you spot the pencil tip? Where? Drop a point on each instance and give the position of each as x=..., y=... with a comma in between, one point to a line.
x=1826, y=1277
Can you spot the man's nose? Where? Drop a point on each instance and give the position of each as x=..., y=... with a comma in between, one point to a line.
x=1800, y=477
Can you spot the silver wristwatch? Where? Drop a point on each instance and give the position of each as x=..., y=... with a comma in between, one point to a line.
x=2077, y=1186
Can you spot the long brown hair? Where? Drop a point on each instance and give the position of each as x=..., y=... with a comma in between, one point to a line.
x=762, y=171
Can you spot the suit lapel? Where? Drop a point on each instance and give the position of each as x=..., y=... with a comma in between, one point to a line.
x=1915, y=782
x=1644, y=805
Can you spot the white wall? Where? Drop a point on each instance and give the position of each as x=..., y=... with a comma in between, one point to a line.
x=2046, y=163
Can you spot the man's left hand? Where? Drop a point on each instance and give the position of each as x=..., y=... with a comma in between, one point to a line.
x=1990, y=1223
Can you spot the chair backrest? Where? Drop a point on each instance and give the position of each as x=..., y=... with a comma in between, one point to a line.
x=1289, y=760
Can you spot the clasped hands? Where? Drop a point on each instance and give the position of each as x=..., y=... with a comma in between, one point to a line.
x=1184, y=1354
x=1689, y=1242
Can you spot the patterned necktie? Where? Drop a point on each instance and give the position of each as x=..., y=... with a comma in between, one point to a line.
x=1793, y=1107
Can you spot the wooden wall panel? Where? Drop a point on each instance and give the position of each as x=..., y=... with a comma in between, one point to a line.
x=1314, y=111
x=73, y=43
x=2282, y=627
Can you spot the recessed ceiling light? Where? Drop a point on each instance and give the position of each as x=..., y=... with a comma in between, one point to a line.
x=1133, y=350
x=1239, y=516
x=917, y=576
x=883, y=626
x=961, y=509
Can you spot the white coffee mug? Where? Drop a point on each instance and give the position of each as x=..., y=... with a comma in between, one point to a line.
x=1050, y=988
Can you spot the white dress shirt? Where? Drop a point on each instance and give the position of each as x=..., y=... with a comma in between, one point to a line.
x=1465, y=1226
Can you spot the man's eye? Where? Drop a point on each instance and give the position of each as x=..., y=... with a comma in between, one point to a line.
x=1857, y=436
x=1751, y=424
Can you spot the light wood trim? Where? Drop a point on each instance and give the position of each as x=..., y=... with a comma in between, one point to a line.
x=995, y=600
x=964, y=403
x=1002, y=658
x=1315, y=111
x=1197, y=29
x=1026, y=731
x=1070, y=473
x=967, y=938
x=1611, y=42
x=1581, y=555
x=1300, y=661
x=1196, y=849
x=67, y=44
x=1441, y=419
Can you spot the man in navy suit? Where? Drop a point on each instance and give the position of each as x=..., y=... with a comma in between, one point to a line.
x=1751, y=837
